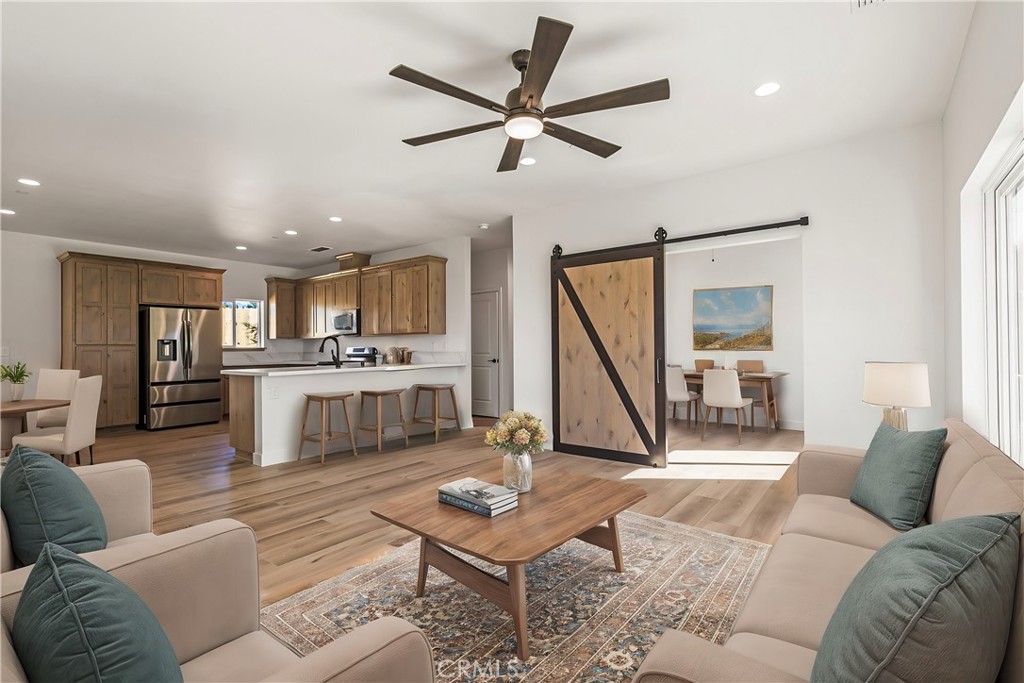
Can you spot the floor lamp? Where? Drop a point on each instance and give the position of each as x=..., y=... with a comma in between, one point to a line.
x=895, y=387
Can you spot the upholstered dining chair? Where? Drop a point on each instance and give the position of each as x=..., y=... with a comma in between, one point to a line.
x=722, y=390
x=750, y=365
x=702, y=364
x=677, y=392
x=79, y=433
x=53, y=383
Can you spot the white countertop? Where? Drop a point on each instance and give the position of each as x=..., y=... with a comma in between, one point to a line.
x=331, y=370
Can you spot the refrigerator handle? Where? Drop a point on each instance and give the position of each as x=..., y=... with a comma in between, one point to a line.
x=187, y=343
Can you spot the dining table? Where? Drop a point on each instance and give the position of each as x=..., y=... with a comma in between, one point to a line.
x=763, y=381
x=22, y=408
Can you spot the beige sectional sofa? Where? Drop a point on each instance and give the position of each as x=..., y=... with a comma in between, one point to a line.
x=202, y=584
x=825, y=542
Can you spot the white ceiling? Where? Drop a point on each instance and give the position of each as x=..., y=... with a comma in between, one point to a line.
x=195, y=127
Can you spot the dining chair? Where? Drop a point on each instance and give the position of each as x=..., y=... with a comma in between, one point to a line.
x=702, y=364
x=722, y=391
x=79, y=433
x=677, y=392
x=57, y=384
x=772, y=407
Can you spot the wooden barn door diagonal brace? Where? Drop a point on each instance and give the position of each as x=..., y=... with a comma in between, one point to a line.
x=606, y=361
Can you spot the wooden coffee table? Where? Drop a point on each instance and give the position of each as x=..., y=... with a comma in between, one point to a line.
x=559, y=508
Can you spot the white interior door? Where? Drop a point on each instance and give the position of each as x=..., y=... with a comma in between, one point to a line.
x=486, y=354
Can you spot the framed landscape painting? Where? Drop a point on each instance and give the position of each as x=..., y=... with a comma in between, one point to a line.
x=733, y=319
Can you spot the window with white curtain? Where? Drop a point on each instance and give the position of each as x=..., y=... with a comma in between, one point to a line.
x=1004, y=246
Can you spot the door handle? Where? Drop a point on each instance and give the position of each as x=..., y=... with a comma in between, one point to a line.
x=493, y=360
x=657, y=370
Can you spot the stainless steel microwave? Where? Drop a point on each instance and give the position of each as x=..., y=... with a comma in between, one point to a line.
x=347, y=322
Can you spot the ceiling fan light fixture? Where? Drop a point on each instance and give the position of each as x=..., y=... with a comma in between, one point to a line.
x=523, y=126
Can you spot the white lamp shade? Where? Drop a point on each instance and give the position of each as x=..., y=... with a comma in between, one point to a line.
x=524, y=126
x=896, y=384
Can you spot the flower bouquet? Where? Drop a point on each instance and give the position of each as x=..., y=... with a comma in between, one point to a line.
x=519, y=435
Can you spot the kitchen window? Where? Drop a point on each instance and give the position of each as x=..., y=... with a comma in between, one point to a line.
x=1004, y=304
x=242, y=324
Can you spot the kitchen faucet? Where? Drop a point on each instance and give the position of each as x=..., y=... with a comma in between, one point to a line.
x=335, y=352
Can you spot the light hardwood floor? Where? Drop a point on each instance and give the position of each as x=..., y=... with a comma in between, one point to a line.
x=313, y=521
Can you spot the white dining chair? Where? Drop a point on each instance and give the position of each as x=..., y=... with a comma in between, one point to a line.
x=57, y=384
x=79, y=433
x=722, y=391
x=677, y=392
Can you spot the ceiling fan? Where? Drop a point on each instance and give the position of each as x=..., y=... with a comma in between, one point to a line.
x=524, y=114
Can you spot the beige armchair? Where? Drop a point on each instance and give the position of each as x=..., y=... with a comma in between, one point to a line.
x=124, y=492
x=202, y=583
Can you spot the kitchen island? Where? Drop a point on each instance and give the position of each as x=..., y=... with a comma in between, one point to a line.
x=267, y=404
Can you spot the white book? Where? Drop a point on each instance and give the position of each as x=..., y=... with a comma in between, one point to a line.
x=480, y=492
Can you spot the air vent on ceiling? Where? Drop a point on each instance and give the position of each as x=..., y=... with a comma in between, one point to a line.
x=319, y=249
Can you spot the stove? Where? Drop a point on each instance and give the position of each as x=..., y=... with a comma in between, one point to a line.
x=362, y=356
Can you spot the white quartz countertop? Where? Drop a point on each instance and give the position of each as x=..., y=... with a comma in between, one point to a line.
x=331, y=370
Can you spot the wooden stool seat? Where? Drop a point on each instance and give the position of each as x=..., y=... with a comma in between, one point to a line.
x=327, y=434
x=379, y=425
x=436, y=418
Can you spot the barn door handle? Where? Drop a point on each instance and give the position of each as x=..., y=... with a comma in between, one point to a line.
x=657, y=371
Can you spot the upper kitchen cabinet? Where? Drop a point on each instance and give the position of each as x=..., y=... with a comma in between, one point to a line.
x=375, y=300
x=346, y=291
x=280, y=308
x=304, y=309
x=165, y=285
x=99, y=300
x=404, y=297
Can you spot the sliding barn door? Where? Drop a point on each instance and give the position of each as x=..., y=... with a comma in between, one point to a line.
x=608, y=338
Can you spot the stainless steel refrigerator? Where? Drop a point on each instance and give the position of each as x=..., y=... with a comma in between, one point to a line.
x=180, y=367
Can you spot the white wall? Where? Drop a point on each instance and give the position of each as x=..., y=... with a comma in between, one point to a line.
x=770, y=263
x=492, y=270
x=989, y=77
x=872, y=263
x=30, y=282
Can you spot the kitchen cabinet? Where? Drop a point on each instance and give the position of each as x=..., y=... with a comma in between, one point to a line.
x=375, y=299
x=323, y=308
x=304, y=310
x=409, y=300
x=280, y=308
x=346, y=291
x=100, y=299
x=169, y=285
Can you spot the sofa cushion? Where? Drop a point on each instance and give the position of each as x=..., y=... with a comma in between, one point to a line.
x=44, y=501
x=75, y=622
x=252, y=657
x=895, y=481
x=838, y=519
x=799, y=587
x=793, y=659
x=932, y=605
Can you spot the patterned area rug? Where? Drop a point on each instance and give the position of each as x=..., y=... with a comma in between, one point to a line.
x=586, y=623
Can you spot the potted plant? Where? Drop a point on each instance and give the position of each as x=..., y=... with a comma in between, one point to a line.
x=519, y=435
x=17, y=375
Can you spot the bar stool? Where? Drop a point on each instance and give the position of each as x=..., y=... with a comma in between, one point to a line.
x=326, y=434
x=436, y=418
x=380, y=425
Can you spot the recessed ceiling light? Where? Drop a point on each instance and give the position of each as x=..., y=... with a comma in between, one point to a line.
x=527, y=161
x=334, y=219
x=485, y=226
x=766, y=89
x=241, y=248
x=290, y=232
x=7, y=212
x=29, y=181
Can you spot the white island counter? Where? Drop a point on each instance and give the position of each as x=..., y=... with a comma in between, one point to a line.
x=267, y=405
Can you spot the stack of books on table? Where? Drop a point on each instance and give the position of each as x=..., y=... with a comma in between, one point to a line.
x=478, y=496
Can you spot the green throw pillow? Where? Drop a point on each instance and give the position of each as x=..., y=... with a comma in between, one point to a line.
x=75, y=622
x=44, y=501
x=934, y=604
x=896, y=478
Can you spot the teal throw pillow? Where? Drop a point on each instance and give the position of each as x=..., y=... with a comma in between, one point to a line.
x=934, y=604
x=75, y=622
x=44, y=501
x=896, y=478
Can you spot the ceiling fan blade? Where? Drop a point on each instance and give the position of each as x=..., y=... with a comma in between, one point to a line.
x=449, y=134
x=548, y=42
x=581, y=140
x=422, y=79
x=510, y=159
x=638, y=94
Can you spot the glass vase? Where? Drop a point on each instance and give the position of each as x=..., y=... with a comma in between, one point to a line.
x=518, y=472
x=17, y=391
